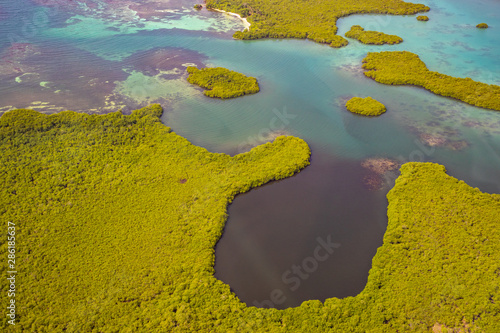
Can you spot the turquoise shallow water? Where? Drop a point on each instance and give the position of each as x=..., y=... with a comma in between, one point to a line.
x=107, y=58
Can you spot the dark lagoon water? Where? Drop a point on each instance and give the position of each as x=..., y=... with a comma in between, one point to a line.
x=312, y=236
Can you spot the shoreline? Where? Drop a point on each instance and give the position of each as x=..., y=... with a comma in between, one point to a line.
x=245, y=21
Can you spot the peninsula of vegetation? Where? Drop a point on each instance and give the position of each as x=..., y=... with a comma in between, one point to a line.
x=372, y=37
x=365, y=106
x=118, y=217
x=397, y=68
x=311, y=20
x=222, y=83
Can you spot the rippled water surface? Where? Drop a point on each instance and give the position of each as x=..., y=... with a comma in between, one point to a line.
x=99, y=56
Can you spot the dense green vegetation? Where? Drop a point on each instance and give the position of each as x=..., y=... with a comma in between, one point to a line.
x=222, y=83
x=482, y=26
x=117, y=218
x=315, y=20
x=406, y=68
x=422, y=18
x=365, y=106
x=198, y=6
x=372, y=37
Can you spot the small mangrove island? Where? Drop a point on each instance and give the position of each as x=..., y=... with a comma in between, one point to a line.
x=311, y=20
x=482, y=26
x=422, y=18
x=365, y=106
x=222, y=83
x=406, y=68
x=372, y=37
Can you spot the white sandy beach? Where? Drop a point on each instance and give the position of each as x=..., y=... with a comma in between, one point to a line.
x=245, y=22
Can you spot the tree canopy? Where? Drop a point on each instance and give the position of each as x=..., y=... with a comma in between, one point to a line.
x=402, y=67
x=315, y=20
x=117, y=218
x=372, y=37
x=365, y=106
x=222, y=83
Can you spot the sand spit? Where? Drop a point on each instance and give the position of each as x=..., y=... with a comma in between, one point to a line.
x=245, y=21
